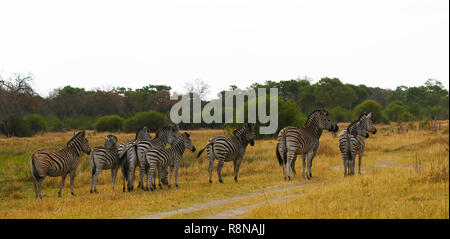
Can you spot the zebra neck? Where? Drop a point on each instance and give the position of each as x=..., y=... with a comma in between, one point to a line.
x=315, y=130
x=74, y=148
x=178, y=147
x=239, y=136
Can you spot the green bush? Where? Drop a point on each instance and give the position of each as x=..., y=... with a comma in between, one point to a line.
x=79, y=122
x=109, y=123
x=18, y=127
x=395, y=109
x=378, y=116
x=53, y=123
x=36, y=122
x=340, y=114
x=152, y=119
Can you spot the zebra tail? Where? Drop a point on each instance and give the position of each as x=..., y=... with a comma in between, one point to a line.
x=280, y=160
x=34, y=170
x=200, y=152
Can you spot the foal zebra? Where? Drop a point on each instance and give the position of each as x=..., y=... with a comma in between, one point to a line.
x=58, y=163
x=304, y=141
x=171, y=157
x=352, y=142
x=106, y=157
x=229, y=148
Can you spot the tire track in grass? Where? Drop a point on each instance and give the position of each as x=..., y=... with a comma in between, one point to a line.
x=215, y=203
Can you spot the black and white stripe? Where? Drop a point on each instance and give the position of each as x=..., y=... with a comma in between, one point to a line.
x=164, y=135
x=127, y=153
x=58, y=163
x=352, y=142
x=102, y=158
x=226, y=149
x=163, y=158
x=304, y=141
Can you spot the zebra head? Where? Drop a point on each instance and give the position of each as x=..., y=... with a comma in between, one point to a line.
x=171, y=131
x=188, y=142
x=249, y=133
x=357, y=129
x=368, y=124
x=143, y=133
x=110, y=140
x=324, y=122
x=80, y=139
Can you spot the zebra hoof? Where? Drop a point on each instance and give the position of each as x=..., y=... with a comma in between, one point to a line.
x=236, y=179
x=220, y=181
x=91, y=191
x=168, y=186
x=73, y=194
x=210, y=181
x=59, y=195
x=176, y=185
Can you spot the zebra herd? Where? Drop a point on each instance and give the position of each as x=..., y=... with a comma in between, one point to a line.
x=153, y=158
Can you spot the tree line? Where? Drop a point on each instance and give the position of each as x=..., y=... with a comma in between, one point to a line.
x=23, y=112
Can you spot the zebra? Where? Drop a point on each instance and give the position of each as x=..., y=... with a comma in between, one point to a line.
x=164, y=135
x=304, y=141
x=105, y=157
x=352, y=142
x=229, y=149
x=171, y=157
x=128, y=149
x=56, y=163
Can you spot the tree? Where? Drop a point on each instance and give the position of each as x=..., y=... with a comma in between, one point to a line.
x=197, y=86
x=15, y=96
x=330, y=92
x=396, y=109
x=109, y=123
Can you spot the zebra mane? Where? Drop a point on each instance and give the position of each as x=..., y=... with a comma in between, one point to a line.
x=82, y=133
x=311, y=114
x=169, y=126
x=356, y=121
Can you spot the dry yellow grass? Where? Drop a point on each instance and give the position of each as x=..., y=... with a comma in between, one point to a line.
x=405, y=176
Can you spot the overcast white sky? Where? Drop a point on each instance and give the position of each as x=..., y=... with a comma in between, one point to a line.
x=101, y=44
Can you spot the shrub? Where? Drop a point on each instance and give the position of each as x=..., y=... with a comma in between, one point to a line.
x=53, y=123
x=18, y=127
x=79, y=122
x=152, y=119
x=36, y=122
x=340, y=114
x=378, y=116
x=109, y=123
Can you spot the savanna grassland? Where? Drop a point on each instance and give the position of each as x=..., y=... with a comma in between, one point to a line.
x=404, y=175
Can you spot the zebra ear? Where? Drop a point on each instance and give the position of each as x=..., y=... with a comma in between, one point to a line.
x=115, y=139
x=369, y=115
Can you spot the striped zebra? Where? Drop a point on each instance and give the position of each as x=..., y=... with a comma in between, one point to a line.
x=171, y=157
x=304, y=141
x=105, y=157
x=56, y=163
x=164, y=135
x=128, y=156
x=226, y=149
x=352, y=142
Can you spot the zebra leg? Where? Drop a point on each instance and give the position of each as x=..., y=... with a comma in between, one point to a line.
x=293, y=165
x=151, y=170
x=38, y=187
x=237, y=164
x=311, y=155
x=35, y=187
x=177, y=166
x=72, y=180
x=114, y=176
x=170, y=176
x=210, y=169
x=219, y=170
x=303, y=165
x=292, y=155
x=98, y=170
x=359, y=162
x=124, y=178
x=131, y=170
x=63, y=178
